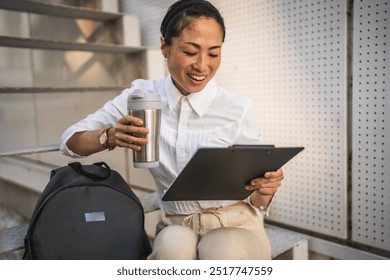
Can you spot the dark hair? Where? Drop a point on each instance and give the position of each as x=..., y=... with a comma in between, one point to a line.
x=179, y=17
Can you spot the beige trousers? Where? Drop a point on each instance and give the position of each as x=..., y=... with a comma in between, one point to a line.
x=227, y=233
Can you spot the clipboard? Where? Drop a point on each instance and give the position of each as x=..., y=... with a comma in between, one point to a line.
x=222, y=173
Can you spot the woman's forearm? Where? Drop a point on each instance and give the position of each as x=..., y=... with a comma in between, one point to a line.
x=85, y=143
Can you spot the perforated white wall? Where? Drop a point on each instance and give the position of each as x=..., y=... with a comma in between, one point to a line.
x=371, y=124
x=289, y=58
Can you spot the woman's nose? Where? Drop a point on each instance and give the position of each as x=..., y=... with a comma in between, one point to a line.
x=200, y=63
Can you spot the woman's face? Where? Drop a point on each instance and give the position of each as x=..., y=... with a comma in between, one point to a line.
x=195, y=56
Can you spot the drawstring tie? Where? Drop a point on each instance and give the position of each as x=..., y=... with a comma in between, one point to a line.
x=196, y=218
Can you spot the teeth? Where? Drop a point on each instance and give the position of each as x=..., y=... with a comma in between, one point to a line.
x=198, y=78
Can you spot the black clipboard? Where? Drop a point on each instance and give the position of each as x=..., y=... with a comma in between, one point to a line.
x=222, y=173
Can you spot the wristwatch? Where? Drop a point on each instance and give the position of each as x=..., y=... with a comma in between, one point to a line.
x=103, y=139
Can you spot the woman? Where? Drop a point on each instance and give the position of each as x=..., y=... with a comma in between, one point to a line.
x=196, y=112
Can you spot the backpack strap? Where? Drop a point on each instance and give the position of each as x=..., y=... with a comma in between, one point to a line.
x=78, y=167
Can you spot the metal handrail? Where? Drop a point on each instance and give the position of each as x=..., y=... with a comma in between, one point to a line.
x=29, y=151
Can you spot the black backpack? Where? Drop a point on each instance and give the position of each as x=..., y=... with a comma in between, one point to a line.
x=87, y=212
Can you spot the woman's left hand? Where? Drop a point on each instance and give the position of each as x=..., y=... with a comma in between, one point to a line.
x=267, y=185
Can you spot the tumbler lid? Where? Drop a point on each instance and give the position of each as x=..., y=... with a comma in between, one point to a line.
x=140, y=99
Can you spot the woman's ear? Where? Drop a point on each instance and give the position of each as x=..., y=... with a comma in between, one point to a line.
x=163, y=46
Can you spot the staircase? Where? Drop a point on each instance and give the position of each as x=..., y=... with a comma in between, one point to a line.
x=61, y=62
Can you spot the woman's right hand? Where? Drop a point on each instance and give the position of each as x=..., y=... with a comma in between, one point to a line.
x=129, y=133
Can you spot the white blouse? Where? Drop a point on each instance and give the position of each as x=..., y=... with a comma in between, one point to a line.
x=212, y=117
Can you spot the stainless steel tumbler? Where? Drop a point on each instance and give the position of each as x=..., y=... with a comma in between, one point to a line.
x=146, y=105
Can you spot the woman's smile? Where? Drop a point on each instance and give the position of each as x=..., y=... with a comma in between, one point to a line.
x=197, y=78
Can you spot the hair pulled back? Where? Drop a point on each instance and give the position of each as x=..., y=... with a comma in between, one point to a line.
x=180, y=14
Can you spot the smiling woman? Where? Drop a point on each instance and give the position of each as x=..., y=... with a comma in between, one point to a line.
x=196, y=112
x=195, y=56
x=192, y=33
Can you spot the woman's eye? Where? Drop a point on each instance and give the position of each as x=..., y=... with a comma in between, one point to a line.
x=189, y=53
x=213, y=55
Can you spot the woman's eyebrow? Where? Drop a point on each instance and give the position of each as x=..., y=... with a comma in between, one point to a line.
x=199, y=47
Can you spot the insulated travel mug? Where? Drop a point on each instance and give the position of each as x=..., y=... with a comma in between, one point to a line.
x=146, y=105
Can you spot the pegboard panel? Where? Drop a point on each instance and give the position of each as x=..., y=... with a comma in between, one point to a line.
x=371, y=124
x=289, y=57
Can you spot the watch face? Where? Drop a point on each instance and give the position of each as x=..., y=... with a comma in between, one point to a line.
x=102, y=138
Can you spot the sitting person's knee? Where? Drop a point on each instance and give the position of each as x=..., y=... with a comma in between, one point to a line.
x=232, y=244
x=175, y=242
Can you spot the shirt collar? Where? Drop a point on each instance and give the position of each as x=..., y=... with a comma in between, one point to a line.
x=200, y=101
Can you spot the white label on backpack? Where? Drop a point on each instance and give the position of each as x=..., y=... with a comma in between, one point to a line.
x=95, y=217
